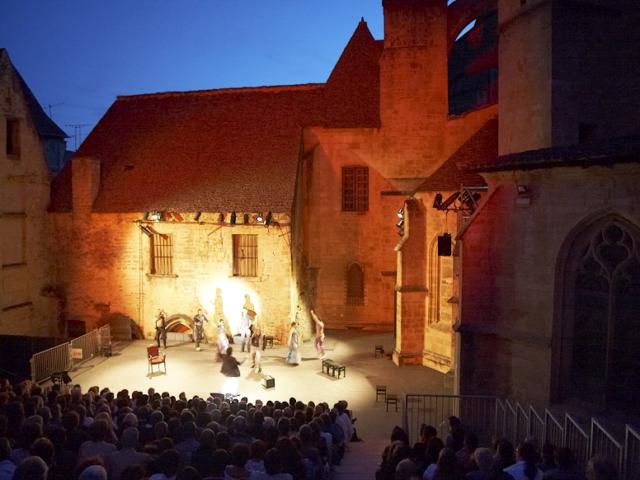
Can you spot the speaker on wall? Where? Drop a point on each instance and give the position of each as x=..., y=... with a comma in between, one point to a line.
x=444, y=245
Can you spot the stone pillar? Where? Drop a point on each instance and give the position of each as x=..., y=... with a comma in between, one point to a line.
x=411, y=286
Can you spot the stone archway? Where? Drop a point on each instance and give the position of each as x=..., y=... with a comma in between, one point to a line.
x=180, y=327
x=597, y=329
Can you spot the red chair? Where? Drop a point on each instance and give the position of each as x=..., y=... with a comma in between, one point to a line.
x=154, y=358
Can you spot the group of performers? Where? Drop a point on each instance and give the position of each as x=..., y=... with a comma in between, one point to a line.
x=251, y=338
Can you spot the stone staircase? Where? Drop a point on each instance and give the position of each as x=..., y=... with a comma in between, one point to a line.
x=361, y=461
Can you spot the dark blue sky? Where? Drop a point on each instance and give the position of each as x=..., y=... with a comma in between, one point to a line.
x=78, y=55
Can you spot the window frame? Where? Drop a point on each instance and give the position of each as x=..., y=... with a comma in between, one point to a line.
x=13, y=143
x=355, y=188
x=245, y=255
x=161, y=254
x=355, y=293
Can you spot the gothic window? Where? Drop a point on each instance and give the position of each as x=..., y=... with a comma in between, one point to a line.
x=161, y=254
x=355, y=189
x=13, y=137
x=601, y=320
x=245, y=255
x=355, y=285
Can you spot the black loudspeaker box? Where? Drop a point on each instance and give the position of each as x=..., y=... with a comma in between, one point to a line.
x=269, y=382
x=444, y=245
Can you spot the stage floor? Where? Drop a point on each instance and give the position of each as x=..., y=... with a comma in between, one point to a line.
x=197, y=373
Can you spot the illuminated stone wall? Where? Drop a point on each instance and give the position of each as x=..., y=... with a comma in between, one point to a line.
x=103, y=267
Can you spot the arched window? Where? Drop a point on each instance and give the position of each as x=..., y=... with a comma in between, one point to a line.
x=435, y=279
x=355, y=285
x=601, y=315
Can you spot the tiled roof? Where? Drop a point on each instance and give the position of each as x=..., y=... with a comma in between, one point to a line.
x=44, y=125
x=481, y=147
x=609, y=152
x=221, y=150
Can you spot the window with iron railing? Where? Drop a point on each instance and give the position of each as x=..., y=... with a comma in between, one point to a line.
x=245, y=255
x=355, y=189
x=161, y=254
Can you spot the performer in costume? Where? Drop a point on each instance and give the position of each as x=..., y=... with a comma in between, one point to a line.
x=319, y=334
x=222, y=340
x=161, y=328
x=198, y=323
x=293, y=358
x=248, y=317
x=230, y=369
x=256, y=340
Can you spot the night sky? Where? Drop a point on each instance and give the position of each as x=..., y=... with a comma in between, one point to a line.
x=78, y=55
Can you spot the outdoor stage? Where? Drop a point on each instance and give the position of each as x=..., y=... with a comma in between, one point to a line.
x=197, y=373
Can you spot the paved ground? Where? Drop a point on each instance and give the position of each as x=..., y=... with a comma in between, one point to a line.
x=197, y=373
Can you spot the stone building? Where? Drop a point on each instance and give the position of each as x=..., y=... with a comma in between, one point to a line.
x=549, y=262
x=409, y=135
x=333, y=162
x=28, y=141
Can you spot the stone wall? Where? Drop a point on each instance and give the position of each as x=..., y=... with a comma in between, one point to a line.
x=335, y=239
x=27, y=305
x=510, y=257
x=103, y=267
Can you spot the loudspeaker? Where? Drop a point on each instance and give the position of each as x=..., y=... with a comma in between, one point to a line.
x=444, y=245
x=269, y=382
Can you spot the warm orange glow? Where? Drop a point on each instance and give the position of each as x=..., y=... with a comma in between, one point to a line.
x=231, y=299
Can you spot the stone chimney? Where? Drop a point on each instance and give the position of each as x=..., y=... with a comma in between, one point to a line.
x=85, y=183
x=413, y=87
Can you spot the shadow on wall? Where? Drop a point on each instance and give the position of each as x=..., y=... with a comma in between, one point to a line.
x=123, y=327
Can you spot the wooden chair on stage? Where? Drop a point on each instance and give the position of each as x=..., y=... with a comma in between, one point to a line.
x=155, y=358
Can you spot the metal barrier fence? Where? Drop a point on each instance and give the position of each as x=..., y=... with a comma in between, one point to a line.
x=479, y=412
x=56, y=359
x=491, y=418
x=603, y=443
x=577, y=440
x=69, y=355
x=631, y=453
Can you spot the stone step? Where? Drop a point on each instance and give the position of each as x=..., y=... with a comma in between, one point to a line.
x=361, y=460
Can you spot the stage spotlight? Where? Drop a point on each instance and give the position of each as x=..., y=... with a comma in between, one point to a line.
x=259, y=218
x=268, y=219
x=153, y=216
x=400, y=213
x=232, y=219
x=400, y=226
x=437, y=201
x=447, y=203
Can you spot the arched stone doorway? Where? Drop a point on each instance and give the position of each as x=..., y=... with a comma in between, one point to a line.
x=180, y=326
x=600, y=315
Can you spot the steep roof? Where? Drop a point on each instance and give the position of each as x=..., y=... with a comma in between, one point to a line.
x=44, y=125
x=608, y=152
x=481, y=147
x=221, y=150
